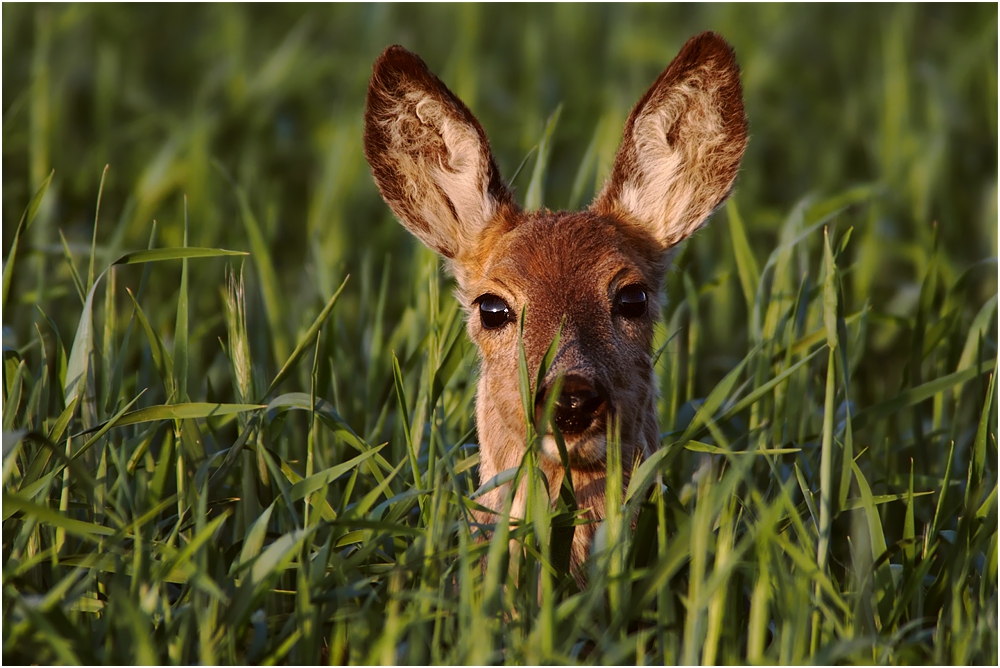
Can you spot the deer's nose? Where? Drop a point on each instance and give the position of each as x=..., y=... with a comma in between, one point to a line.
x=581, y=403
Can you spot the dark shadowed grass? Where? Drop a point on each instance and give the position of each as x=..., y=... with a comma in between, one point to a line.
x=249, y=460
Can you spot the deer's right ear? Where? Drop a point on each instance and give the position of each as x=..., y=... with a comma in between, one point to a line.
x=430, y=157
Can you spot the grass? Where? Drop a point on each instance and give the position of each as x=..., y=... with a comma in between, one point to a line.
x=218, y=458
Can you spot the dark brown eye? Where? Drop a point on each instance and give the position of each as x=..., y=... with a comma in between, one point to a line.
x=493, y=311
x=631, y=302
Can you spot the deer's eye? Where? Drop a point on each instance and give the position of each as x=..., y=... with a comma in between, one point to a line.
x=493, y=311
x=631, y=302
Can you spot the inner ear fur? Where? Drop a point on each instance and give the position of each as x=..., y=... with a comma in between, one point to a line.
x=430, y=156
x=682, y=145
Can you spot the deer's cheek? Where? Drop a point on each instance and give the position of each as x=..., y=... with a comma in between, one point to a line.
x=499, y=383
x=638, y=334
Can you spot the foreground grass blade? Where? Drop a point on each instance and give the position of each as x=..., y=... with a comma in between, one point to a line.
x=317, y=481
x=182, y=411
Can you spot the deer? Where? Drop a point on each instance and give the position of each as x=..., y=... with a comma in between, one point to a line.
x=594, y=276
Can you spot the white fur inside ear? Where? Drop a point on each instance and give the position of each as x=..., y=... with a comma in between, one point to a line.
x=461, y=171
x=674, y=189
x=465, y=180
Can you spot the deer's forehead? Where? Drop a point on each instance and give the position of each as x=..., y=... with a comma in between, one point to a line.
x=563, y=253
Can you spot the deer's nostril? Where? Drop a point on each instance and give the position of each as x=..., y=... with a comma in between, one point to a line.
x=581, y=403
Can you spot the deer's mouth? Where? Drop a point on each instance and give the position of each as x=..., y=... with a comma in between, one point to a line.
x=583, y=450
x=580, y=413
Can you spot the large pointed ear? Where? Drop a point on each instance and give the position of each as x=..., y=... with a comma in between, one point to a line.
x=430, y=157
x=682, y=145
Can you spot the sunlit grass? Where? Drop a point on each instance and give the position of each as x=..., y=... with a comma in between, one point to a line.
x=270, y=458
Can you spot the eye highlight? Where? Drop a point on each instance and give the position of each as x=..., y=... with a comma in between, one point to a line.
x=493, y=311
x=630, y=302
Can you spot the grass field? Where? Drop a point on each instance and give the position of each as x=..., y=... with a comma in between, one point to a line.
x=268, y=457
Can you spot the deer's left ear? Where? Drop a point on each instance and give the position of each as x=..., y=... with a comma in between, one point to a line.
x=682, y=145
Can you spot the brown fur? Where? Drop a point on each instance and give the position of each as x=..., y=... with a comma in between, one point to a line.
x=680, y=153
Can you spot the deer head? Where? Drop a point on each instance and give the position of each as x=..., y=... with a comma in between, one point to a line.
x=595, y=274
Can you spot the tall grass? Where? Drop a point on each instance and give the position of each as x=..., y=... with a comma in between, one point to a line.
x=243, y=432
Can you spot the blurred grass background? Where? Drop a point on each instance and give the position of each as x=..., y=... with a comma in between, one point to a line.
x=253, y=113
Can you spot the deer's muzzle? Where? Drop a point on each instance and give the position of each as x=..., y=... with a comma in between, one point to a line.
x=581, y=405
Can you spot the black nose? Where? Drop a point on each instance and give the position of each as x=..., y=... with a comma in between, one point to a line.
x=581, y=403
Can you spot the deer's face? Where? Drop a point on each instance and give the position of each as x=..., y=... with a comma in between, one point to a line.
x=581, y=275
x=594, y=274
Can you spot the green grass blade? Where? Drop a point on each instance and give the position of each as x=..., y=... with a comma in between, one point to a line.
x=68, y=256
x=397, y=379
x=879, y=499
x=266, y=568
x=93, y=241
x=202, y=537
x=876, y=537
x=108, y=338
x=920, y=393
x=695, y=446
x=180, y=367
x=269, y=283
x=254, y=540
x=584, y=173
x=535, y=197
x=317, y=481
x=161, y=358
x=825, y=493
x=121, y=357
x=26, y=219
x=715, y=399
x=181, y=411
x=102, y=430
x=163, y=254
x=82, y=351
x=86, y=530
x=746, y=263
x=982, y=434
x=978, y=330
x=306, y=340
x=767, y=387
